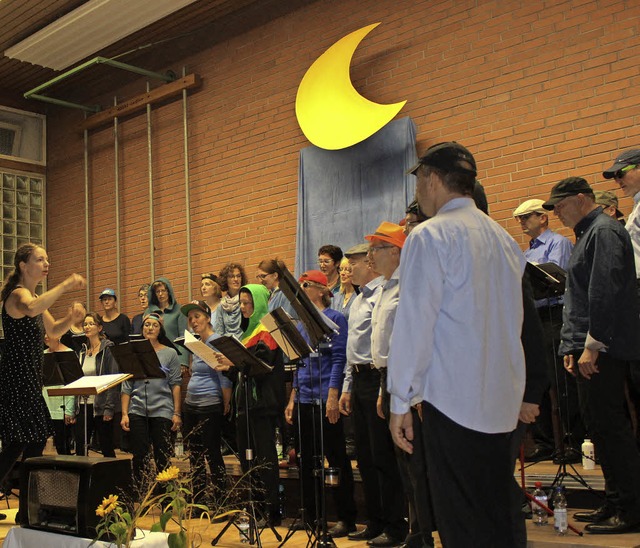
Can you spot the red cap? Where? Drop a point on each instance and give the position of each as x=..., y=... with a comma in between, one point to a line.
x=314, y=276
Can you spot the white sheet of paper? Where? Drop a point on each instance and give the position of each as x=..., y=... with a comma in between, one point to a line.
x=200, y=349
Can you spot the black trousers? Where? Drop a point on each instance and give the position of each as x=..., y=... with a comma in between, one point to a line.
x=602, y=398
x=415, y=478
x=202, y=434
x=104, y=430
x=471, y=483
x=336, y=453
x=11, y=453
x=384, y=497
x=262, y=439
x=145, y=433
x=62, y=436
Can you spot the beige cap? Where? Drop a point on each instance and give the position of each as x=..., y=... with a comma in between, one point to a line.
x=530, y=206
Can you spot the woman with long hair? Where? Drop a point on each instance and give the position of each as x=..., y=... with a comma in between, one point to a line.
x=343, y=299
x=96, y=359
x=268, y=275
x=25, y=423
x=151, y=407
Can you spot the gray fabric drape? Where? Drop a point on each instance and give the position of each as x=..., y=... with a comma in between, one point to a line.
x=345, y=194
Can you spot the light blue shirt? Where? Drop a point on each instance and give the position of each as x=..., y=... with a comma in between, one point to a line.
x=382, y=318
x=359, y=340
x=633, y=228
x=456, y=337
x=549, y=247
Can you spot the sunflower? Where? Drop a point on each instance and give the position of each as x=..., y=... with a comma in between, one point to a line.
x=169, y=474
x=109, y=504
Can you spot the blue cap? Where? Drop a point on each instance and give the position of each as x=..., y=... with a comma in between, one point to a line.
x=108, y=293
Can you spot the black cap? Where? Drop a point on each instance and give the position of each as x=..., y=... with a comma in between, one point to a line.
x=627, y=158
x=571, y=186
x=449, y=156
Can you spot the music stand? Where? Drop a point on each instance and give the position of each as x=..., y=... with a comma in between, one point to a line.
x=249, y=366
x=139, y=359
x=61, y=368
x=89, y=385
x=548, y=281
x=319, y=329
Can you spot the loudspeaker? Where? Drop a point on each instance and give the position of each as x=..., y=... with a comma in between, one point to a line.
x=61, y=493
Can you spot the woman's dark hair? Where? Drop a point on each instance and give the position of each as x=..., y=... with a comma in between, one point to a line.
x=326, y=297
x=270, y=266
x=333, y=251
x=13, y=280
x=162, y=334
x=98, y=320
x=227, y=270
x=155, y=285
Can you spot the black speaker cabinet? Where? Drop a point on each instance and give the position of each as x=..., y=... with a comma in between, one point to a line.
x=61, y=494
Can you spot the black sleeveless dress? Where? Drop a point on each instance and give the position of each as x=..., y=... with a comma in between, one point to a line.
x=24, y=417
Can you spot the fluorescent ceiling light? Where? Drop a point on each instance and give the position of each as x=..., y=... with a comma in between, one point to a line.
x=90, y=28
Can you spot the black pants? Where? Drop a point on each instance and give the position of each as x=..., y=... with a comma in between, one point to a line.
x=145, y=433
x=262, y=439
x=471, y=483
x=104, y=430
x=11, y=453
x=336, y=453
x=62, y=436
x=384, y=497
x=202, y=434
x=518, y=497
x=602, y=398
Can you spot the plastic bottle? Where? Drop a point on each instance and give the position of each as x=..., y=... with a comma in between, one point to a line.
x=560, y=520
x=178, y=447
x=588, y=455
x=539, y=516
x=243, y=526
x=279, y=444
x=282, y=501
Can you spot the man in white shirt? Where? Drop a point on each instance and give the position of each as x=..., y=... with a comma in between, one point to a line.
x=625, y=172
x=456, y=344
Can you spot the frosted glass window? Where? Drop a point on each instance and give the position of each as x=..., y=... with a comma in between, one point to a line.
x=22, y=207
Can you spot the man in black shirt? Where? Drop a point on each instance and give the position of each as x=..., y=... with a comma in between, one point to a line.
x=599, y=334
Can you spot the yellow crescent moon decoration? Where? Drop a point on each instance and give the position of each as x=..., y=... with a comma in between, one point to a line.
x=331, y=113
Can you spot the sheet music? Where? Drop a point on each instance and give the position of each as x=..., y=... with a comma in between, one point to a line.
x=202, y=350
x=269, y=322
x=90, y=384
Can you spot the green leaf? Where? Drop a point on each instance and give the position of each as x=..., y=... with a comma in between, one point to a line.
x=177, y=540
x=164, y=519
x=156, y=528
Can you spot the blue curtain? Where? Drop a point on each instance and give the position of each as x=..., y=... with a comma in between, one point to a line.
x=345, y=194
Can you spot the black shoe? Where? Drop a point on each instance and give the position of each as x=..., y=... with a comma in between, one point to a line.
x=342, y=529
x=385, y=540
x=613, y=526
x=594, y=516
x=367, y=533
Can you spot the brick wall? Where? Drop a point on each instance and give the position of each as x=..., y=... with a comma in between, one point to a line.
x=538, y=91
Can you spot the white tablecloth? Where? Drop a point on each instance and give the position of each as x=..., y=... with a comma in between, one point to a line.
x=19, y=537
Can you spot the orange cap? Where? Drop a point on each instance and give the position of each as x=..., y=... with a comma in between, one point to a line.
x=388, y=232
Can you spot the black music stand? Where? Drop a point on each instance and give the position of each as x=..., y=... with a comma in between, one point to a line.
x=61, y=368
x=138, y=358
x=248, y=366
x=319, y=330
x=548, y=281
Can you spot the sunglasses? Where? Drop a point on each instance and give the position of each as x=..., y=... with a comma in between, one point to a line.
x=311, y=284
x=622, y=172
x=523, y=218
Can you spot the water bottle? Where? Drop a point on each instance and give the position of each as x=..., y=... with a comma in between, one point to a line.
x=539, y=516
x=279, y=444
x=588, y=455
x=282, y=501
x=243, y=526
x=560, y=520
x=178, y=447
